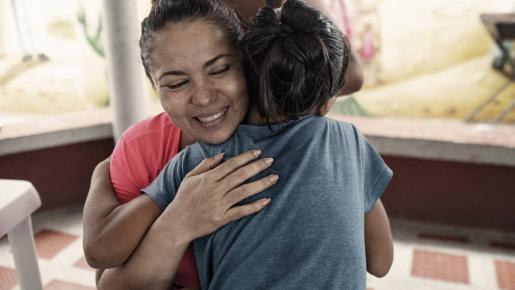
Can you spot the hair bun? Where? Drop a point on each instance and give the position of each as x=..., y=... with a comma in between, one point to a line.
x=301, y=17
x=286, y=29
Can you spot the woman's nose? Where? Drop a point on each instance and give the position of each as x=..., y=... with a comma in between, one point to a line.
x=203, y=95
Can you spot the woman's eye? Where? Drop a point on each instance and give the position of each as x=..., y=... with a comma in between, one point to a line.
x=176, y=85
x=221, y=69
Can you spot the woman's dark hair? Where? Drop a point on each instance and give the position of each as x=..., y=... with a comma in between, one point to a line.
x=165, y=12
x=295, y=60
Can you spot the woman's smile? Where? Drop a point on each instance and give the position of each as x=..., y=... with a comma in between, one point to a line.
x=212, y=119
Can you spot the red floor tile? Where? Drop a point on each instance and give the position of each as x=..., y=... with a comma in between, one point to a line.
x=83, y=264
x=434, y=265
x=443, y=237
x=7, y=278
x=505, y=274
x=49, y=243
x=60, y=285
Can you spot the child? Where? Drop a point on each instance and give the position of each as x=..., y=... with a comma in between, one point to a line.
x=325, y=225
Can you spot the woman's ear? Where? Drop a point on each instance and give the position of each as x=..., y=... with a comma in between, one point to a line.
x=327, y=106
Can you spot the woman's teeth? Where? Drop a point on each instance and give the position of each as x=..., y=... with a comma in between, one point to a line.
x=211, y=118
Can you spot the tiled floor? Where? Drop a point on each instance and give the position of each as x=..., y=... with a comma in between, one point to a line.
x=426, y=257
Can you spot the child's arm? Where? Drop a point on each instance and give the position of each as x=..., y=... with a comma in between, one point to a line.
x=378, y=241
x=112, y=231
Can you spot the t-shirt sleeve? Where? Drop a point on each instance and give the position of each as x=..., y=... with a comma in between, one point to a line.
x=163, y=188
x=127, y=175
x=376, y=175
x=140, y=154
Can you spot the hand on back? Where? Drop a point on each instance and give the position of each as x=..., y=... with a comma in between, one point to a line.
x=207, y=196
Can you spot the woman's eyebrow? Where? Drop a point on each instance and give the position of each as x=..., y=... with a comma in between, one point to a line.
x=172, y=72
x=216, y=58
x=207, y=64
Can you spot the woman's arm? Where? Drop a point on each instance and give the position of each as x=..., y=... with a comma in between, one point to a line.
x=153, y=264
x=204, y=202
x=112, y=231
x=378, y=241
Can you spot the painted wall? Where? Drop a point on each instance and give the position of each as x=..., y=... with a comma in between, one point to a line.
x=433, y=191
x=452, y=193
x=61, y=174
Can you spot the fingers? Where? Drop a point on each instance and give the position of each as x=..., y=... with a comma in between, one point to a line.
x=206, y=165
x=245, y=210
x=242, y=174
x=240, y=193
x=234, y=163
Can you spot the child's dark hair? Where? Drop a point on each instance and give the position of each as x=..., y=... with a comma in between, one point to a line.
x=165, y=12
x=295, y=60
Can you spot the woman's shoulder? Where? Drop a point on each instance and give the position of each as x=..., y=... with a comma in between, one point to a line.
x=141, y=153
x=155, y=137
x=159, y=125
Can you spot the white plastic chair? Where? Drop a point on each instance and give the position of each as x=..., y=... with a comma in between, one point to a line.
x=18, y=200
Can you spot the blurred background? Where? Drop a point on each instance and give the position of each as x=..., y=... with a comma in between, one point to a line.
x=427, y=59
x=438, y=104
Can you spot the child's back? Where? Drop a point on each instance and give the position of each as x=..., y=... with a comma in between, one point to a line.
x=312, y=234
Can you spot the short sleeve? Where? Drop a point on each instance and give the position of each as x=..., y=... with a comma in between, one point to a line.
x=163, y=188
x=376, y=175
x=141, y=153
x=127, y=169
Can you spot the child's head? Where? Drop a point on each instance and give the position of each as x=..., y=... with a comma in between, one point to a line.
x=295, y=60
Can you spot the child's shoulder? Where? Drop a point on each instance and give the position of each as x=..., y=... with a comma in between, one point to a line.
x=347, y=127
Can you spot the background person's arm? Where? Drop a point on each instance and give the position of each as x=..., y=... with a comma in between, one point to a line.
x=353, y=77
x=378, y=241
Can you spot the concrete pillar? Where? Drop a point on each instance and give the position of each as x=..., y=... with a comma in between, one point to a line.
x=125, y=75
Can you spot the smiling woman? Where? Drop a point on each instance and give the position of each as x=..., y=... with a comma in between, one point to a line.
x=201, y=82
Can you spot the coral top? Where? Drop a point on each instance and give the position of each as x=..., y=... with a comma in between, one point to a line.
x=138, y=157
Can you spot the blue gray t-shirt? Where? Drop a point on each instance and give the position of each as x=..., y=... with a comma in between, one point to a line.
x=311, y=236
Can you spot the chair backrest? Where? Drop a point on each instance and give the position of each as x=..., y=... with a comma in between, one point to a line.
x=18, y=200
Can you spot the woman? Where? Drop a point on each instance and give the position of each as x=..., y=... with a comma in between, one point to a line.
x=210, y=113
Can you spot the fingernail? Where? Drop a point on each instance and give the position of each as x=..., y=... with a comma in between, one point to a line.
x=269, y=160
x=266, y=201
x=256, y=153
x=220, y=155
x=274, y=178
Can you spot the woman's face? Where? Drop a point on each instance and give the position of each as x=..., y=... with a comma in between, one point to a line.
x=200, y=80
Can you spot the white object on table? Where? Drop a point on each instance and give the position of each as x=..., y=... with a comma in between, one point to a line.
x=18, y=200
